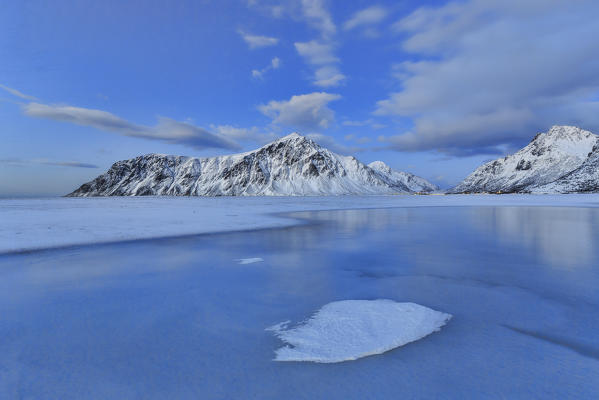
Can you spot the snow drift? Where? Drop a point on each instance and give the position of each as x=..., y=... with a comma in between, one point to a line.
x=351, y=329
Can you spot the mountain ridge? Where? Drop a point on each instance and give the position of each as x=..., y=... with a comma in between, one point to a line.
x=289, y=166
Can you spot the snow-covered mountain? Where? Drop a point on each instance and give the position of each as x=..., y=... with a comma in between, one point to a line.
x=291, y=166
x=583, y=179
x=412, y=182
x=547, y=158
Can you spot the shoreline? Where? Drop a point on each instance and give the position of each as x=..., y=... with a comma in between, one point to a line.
x=30, y=225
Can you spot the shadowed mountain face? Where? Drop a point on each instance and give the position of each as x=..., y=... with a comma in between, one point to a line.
x=290, y=166
x=549, y=157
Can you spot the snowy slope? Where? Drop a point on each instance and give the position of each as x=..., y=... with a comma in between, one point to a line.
x=291, y=166
x=412, y=182
x=548, y=157
x=583, y=179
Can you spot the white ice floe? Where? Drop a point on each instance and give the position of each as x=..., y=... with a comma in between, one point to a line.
x=249, y=260
x=350, y=329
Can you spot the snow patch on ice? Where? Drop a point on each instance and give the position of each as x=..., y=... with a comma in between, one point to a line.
x=249, y=260
x=350, y=329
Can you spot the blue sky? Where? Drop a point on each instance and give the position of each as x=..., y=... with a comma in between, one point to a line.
x=430, y=87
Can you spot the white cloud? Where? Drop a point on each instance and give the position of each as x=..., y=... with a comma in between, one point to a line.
x=358, y=139
x=167, y=129
x=273, y=8
x=306, y=111
x=313, y=12
x=15, y=92
x=328, y=76
x=331, y=144
x=253, y=134
x=83, y=116
x=43, y=161
x=257, y=41
x=275, y=63
x=321, y=55
x=494, y=72
x=368, y=16
x=369, y=122
x=316, y=52
x=317, y=16
x=356, y=123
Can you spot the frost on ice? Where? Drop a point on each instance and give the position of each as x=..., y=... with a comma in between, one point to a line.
x=249, y=260
x=351, y=329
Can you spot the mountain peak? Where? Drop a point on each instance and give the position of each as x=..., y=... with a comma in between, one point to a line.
x=293, y=140
x=549, y=156
x=561, y=128
x=378, y=165
x=409, y=181
x=293, y=135
x=567, y=131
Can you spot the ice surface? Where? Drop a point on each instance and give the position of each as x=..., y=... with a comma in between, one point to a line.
x=179, y=319
x=351, y=329
x=27, y=224
x=249, y=260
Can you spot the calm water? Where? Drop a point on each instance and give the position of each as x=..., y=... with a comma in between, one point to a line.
x=180, y=318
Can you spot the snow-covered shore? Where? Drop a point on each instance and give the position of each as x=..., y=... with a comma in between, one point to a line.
x=30, y=224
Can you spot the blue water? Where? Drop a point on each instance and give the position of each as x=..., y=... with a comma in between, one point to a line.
x=180, y=318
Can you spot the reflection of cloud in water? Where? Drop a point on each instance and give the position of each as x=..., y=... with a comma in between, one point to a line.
x=561, y=236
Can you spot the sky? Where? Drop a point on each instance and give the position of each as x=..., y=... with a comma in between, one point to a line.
x=430, y=87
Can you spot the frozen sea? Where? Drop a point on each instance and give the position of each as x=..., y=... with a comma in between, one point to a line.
x=182, y=317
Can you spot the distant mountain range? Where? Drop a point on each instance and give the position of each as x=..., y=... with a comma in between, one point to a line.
x=563, y=160
x=291, y=166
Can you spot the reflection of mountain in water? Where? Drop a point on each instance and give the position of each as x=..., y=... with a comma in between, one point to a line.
x=561, y=236
x=353, y=221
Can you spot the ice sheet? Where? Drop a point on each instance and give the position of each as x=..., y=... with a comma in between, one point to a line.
x=351, y=329
x=180, y=319
x=27, y=224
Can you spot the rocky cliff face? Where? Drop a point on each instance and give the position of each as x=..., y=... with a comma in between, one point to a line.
x=547, y=158
x=290, y=166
